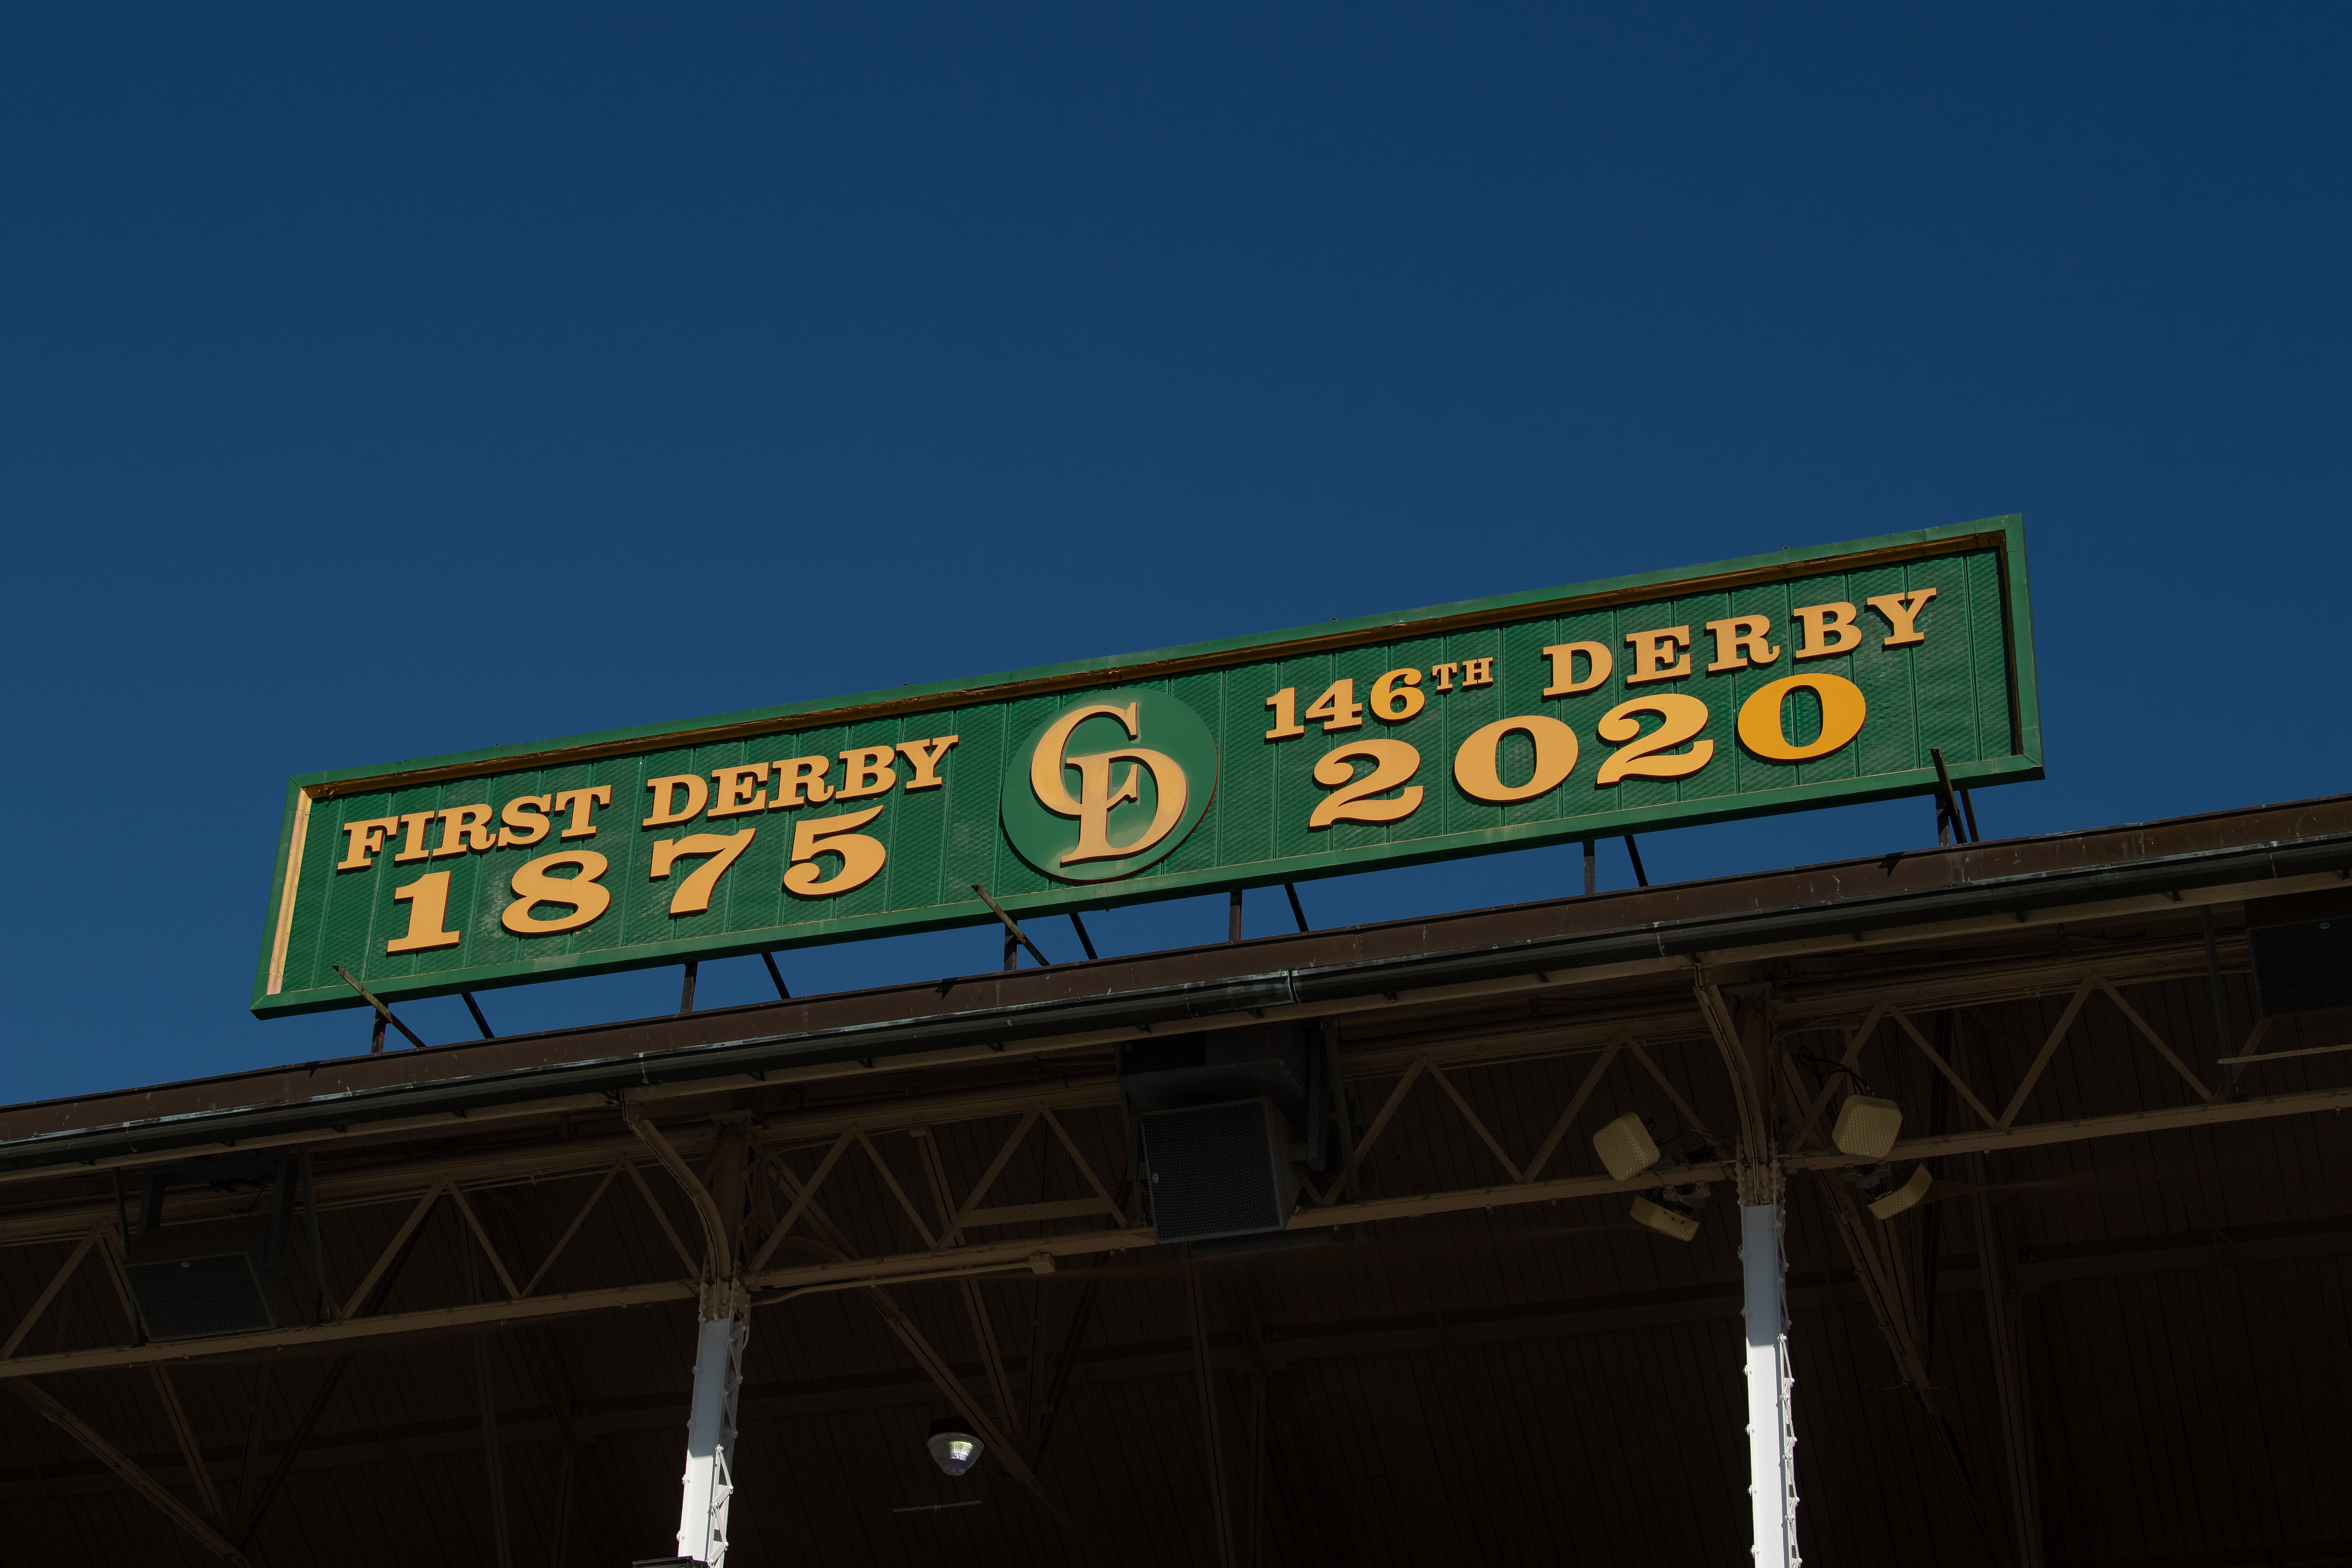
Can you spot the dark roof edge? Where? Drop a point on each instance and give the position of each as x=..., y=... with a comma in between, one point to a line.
x=1914, y=889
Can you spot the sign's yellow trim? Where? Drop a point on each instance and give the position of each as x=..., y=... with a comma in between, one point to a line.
x=286, y=898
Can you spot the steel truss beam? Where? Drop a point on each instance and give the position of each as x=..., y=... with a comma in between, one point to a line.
x=1655, y=1020
x=1384, y=995
x=1022, y=1254
x=1618, y=1032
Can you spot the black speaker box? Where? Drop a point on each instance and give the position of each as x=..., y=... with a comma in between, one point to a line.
x=211, y=1276
x=1218, y=1170
x=2302, y=946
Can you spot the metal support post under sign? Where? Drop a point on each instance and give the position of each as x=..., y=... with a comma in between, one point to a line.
x=725, y=1330
x=1743, y=1034
x=1771, y=1435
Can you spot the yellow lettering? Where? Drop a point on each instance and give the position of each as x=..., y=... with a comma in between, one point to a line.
x=1392, y=762
x=1393, y=697
x=1444, y=674
x=465, y=827
x=427, y=899
x=526, y=820
x=801, y=779
x=581, y=894
x=1478, y=672
x=366, y=838
x=1902, y=613
x=737, y=791
x=577, y=802
x=1638, y=757
x=693, y=895
x=1657, y=656
x=1760, y=718
x=925, y=756
x=1741, y=640
x=1828, y=629
x=1475, y=765
x=862, y=856
x=665, y=793
x=1096, y=795
x=1338, y=707
x=413, y=825
x=1285, y=704
x=1598, y=665
x=869, y=772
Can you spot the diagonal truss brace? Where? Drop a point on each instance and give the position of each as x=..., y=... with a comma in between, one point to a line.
x=954, y=1218
x=139, y=1480
x=56, y=1283
x=2093, y=982
x=1520, y=1176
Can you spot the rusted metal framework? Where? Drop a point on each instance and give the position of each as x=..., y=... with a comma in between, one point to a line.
x=947, y=1161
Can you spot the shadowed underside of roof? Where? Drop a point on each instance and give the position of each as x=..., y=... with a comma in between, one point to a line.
x=2124, y=1306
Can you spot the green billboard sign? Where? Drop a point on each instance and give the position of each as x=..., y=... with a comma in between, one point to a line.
x=1806, y=678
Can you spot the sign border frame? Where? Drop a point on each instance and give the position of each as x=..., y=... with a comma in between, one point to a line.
x=2005, y=534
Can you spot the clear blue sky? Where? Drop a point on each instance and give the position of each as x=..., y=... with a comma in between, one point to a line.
x=383, y=381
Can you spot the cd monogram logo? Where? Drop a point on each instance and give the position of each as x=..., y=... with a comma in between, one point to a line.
x=1088, y=800
x=1091, y=805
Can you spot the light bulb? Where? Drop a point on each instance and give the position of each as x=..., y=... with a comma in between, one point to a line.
x=953, y=1448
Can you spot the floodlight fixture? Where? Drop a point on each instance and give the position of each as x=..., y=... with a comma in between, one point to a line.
x=1866, y=1125
x=1664, y=1220
x=1905, y=1196
x=1880, y=1193
x=954, y=1448
x=1674, y=1209
x=1625, y=1147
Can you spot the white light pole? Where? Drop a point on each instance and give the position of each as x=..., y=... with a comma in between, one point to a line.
x=1771, y=1435
x=1744, y=1036
x=710, y=1425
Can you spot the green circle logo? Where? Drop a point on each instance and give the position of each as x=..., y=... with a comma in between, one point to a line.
x=1108, y=785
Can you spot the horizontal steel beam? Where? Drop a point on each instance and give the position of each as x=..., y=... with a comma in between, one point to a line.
x=947, y=1263
x=950, y=1262
x=1908, y=898
x=1655, y=1020
x=2039, y=1134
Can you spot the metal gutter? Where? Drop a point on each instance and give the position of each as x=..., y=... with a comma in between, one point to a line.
x=1325, y=970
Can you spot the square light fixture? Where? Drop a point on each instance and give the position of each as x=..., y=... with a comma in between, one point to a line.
x=1625, y=1147
x=1866, y=1126
x=1905, y=1196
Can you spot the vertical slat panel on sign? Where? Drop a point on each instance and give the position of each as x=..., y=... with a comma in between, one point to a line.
x=1242, y=817
x=1987, y=636
x=1890, y=740
x=1006, y=871
x=1801, y=715
x=1720, y=692
x=340, y=905
x=918, y=837
x=1205, y=693
x=1295, y=793
x=1457, y=714
x=1424, y=731
x=1522, y=672
x=1944, y=686
x=973, y=842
